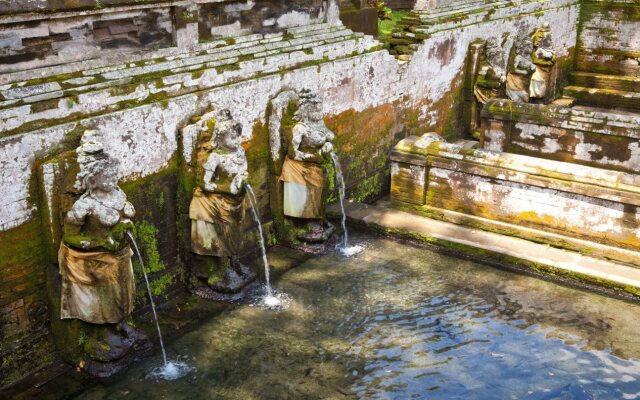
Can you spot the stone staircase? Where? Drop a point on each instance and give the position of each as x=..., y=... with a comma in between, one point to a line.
x=422, y=24
x=604, y=90
x=71, y=91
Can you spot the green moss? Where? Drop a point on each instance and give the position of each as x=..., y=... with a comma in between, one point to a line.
x=146, y=237
x=160, y=285
x=385, y=27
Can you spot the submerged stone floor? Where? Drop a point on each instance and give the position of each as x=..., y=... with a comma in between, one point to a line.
x=399, y=321
x=542, y=259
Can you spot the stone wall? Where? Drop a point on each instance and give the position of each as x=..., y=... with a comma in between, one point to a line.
x=595, y=138
x=541, y=200
x=140, y=97
x=609, y=37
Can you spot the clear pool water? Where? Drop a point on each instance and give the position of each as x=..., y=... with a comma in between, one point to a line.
x=400, y=322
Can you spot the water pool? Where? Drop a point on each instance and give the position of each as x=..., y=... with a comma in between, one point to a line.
x=402, y=322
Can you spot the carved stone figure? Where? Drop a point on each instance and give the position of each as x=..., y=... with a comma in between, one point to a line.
x=520, y=69
x=97, y=281
x=491, y=76
x=95, y=260
x=302, y=174
x=544, y=58
x=217, y=209
x=489, y=83
x=300, y=152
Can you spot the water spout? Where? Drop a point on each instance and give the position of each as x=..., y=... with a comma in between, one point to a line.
x=171, y=369
x=345, y=249
x=269, y=300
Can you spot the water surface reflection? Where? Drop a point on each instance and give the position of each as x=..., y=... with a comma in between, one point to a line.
x=402, y=322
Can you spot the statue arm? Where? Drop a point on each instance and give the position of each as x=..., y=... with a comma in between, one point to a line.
x=73, y=222
x=238, y=181
x=210, y=168
x=296, y=141
x=521, y=66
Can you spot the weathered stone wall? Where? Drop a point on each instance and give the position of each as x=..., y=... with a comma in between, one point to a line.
x=37, y=40
x=140, y=98
x=513, y=194
x=262, y=16
x=595, y=138
x=609, y=37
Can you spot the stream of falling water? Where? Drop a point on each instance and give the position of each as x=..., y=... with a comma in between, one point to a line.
x=170, y=370
x=346, y=250
x=269, y=300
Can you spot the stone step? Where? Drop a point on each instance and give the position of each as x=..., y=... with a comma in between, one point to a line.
x=113, y=75
x=604, y=81
x=590, y=266
x=116, y=88
x=309, y=28
x=607, y=98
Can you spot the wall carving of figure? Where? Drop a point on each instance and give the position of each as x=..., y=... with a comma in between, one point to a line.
x=544, y=58
x=490, y=79
x=520, y=69
x=301, y=152
x=217, y=209
x=94, y=258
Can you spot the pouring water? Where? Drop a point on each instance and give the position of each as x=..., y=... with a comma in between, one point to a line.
x=270, y=300
x=345, y=249
x=170, y=370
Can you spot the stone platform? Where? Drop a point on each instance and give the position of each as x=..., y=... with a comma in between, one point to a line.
x=540, y=259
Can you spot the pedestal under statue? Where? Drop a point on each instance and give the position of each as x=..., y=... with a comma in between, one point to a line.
x=217, y=211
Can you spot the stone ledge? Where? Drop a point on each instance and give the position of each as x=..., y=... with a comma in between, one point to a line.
x=535, y=257
x=122, y=86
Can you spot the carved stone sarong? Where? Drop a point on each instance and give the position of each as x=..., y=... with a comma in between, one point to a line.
x=97, y=287
x=303, y=189
x=215, y=220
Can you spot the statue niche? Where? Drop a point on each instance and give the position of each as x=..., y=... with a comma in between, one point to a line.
x=544, y=58
x=489, y=83
x=217, y=210
x=520, y=69
x=97, y=284
x=300, y=150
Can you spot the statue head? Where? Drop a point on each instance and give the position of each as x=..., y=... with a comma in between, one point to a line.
x=98, y=171
x=309, y=106
x=227, y=131
x=546, y=42
x=523, y=45
x=494, y=52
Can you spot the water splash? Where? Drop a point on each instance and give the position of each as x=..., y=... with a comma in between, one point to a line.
x=275, y=301
x=269, y=299
x=171, y=369
x=345, y=249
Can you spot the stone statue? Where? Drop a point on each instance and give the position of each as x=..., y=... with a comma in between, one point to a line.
x=520, y=69
x=217, y=209
x=95, y=259
x=97, y=281
x=303, y=175
x=489, y=83
x=544, y=58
